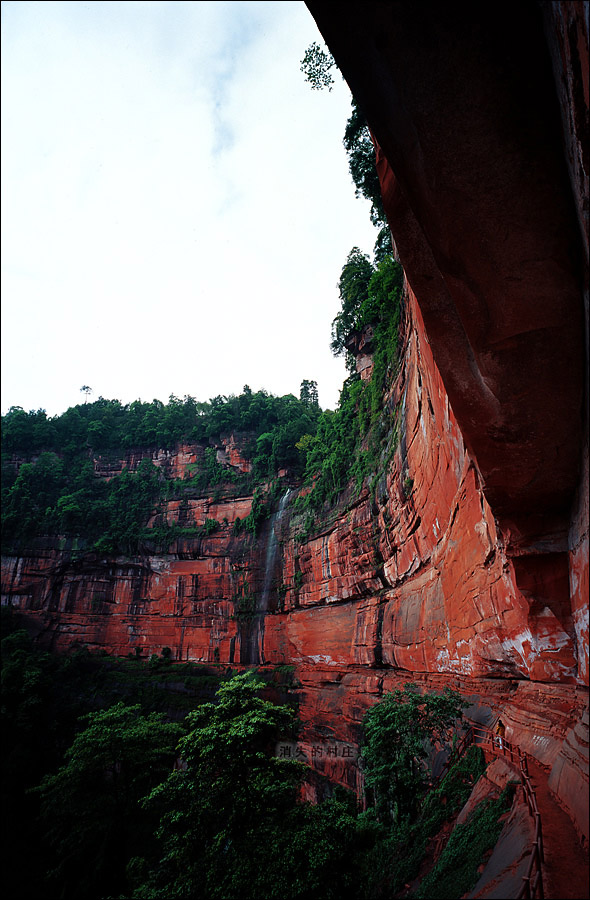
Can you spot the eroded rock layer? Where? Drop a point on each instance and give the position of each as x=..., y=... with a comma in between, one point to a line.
x=411, y=583
x=468, y=564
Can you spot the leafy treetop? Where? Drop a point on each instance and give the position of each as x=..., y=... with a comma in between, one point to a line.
x=52, y=487
x=399, y=734
x=316, y=65
x=230, y=819
x=91, y=804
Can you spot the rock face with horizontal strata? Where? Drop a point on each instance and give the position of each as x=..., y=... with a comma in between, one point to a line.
x=469, y=565
x=413, y=583
x=481, y=132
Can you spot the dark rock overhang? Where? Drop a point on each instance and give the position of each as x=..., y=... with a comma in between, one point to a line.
x=461, y=99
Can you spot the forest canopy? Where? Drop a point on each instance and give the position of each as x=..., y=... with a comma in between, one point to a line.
x=51, y=484
x=110, y=425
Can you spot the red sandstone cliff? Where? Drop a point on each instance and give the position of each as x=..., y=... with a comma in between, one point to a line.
x=480, y=113
x=414, y=583
x=469, y=566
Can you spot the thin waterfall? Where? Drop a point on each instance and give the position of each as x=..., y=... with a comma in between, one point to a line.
x=269, y=567
x=272, y=546
x=252, y=630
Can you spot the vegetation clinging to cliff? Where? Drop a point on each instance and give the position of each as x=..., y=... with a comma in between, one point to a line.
x=317, y=65
x=399, y=732
x=348, y=443
x=351, y=443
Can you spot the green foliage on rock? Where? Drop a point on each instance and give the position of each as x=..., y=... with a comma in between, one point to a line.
x=361, y=162
x=51, y=469
x=355, y=441
x=399, y=734
x=108, y=426
x=31, y=496
x=230, y=821
x=112, y=817
x=353, y=287
x=90, y=806
x=457, y=870
x=398, y=851
x=258, y=514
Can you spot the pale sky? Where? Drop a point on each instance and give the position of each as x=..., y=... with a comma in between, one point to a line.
x=176, y=202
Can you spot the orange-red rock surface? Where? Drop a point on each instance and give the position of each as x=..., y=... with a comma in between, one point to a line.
x=469, y=565
x=414, y=583
x=481, y=125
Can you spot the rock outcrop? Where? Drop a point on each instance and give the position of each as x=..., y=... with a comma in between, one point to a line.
x=468, y=565
x=480, y=115
x=413, y=583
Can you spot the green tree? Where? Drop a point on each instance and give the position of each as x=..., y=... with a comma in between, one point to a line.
x=399, y=734
x=231, y=824
x=353, y=287
x=359, y=146
x=130, y=501
x=27, y=508
x=27, y=433
x=90, y=806
x=316, y=65
x=215, y=809
x=308, y=392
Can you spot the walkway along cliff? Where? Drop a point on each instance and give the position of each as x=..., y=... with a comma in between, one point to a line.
x=468, y=565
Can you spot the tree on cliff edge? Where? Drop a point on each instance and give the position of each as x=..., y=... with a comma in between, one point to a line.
x=399, y=733
x=308, y=393
x=231, y=824
x=317, y=65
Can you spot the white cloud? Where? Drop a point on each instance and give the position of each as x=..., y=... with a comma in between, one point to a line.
x=176, y=202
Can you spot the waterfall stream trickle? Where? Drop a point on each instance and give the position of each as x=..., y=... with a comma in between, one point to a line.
x=252, y=632
x=272, y=545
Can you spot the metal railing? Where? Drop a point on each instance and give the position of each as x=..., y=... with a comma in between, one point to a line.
x=514, y=756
